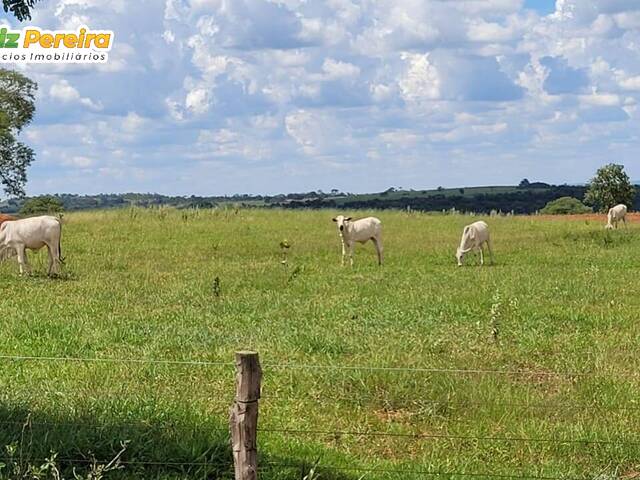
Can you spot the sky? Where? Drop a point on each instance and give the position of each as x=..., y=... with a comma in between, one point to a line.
x=212, y=97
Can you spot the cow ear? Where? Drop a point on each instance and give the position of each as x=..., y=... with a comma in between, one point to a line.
x=348, y=219
x=334, y=219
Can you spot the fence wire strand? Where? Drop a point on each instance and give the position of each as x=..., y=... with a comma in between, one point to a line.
x=433, y=473
x=293, y=366
x=203, y=363
x=354, y=433
x=436, y=436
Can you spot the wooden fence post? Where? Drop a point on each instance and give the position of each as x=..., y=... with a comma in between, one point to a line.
x=243, y=421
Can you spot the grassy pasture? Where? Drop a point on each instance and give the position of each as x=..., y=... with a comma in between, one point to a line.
x=138, y=284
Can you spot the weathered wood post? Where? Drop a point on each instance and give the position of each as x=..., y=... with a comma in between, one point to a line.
x=243, y=421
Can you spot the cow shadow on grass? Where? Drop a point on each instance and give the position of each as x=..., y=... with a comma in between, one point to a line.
x=59, y=277
x=154, y=449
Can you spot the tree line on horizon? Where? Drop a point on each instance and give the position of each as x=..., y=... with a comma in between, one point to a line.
x=519, y=200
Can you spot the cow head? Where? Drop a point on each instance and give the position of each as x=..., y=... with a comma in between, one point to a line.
x=459, y=256
x=342, y=222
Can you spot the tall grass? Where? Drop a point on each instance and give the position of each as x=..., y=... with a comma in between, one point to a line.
x=198, y=285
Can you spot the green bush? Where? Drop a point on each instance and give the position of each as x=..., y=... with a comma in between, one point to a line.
x=565, y=206
x=44, y=205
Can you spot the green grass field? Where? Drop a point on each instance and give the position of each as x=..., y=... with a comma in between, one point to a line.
x=138, y=284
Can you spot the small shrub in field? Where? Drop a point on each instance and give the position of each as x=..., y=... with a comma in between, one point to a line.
x=565, y=206
x=17, y=467
x=284, y=247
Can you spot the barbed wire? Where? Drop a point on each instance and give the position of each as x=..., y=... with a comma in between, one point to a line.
x=125, y=462
x=338, y=433
x=435, y=436
x=28, y=423
x=204, y=363
x=293, y=366
x=460, y=371
x=434, y=473
x=356, y=398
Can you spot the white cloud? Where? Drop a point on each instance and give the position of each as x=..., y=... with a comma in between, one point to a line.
x=630, y=83
x=279, y=94
x=133, y=122
x=421, y=80
x=78, y=161
x=334, y=69
x=64, y=92
x=198, y=101
x=601, y=99
x=481, y=31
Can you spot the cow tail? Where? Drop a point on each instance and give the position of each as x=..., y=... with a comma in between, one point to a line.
x=60, y=243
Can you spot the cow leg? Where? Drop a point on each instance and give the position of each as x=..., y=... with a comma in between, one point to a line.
x=50, y=269
x=54, y=261
x=22, y=260
x=344, y=253
x=351, y=245
x=481, y=256
x=490, y=251
x=378, y=243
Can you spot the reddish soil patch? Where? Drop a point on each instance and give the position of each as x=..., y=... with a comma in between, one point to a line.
x=588, y=217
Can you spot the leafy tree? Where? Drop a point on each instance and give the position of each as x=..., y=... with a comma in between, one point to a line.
x=17, y=95
x=565, y=206
x=21, y=9
x=524, y=183
x=610, y=186
x=45, y=204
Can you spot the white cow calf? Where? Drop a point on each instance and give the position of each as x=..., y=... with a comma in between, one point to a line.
x=474, y=236
x=33, y=234
x=361, y=231
x=615, y=215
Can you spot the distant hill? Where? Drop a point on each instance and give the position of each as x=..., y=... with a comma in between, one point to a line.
x=518, y=199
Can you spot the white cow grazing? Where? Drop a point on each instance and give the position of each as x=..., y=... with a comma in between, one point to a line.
x=32, y=233
x=474, y=236
x=361, y=231
x=617, y=213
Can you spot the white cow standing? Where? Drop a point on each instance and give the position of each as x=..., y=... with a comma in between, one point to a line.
x=33, y=234
x=360, y=231
x=474, y=236
x=616, y=214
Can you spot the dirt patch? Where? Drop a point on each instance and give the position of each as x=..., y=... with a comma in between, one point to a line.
x=632, y=474
x=389, y=416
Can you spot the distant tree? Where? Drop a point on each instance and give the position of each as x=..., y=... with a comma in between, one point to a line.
x=524, y=183
x=440, y=189
x=565, y=206
x=21, y=9
x=610, y=186
x=45, y=204
x=538, y=185
x=17, y=96
x=461, y=190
